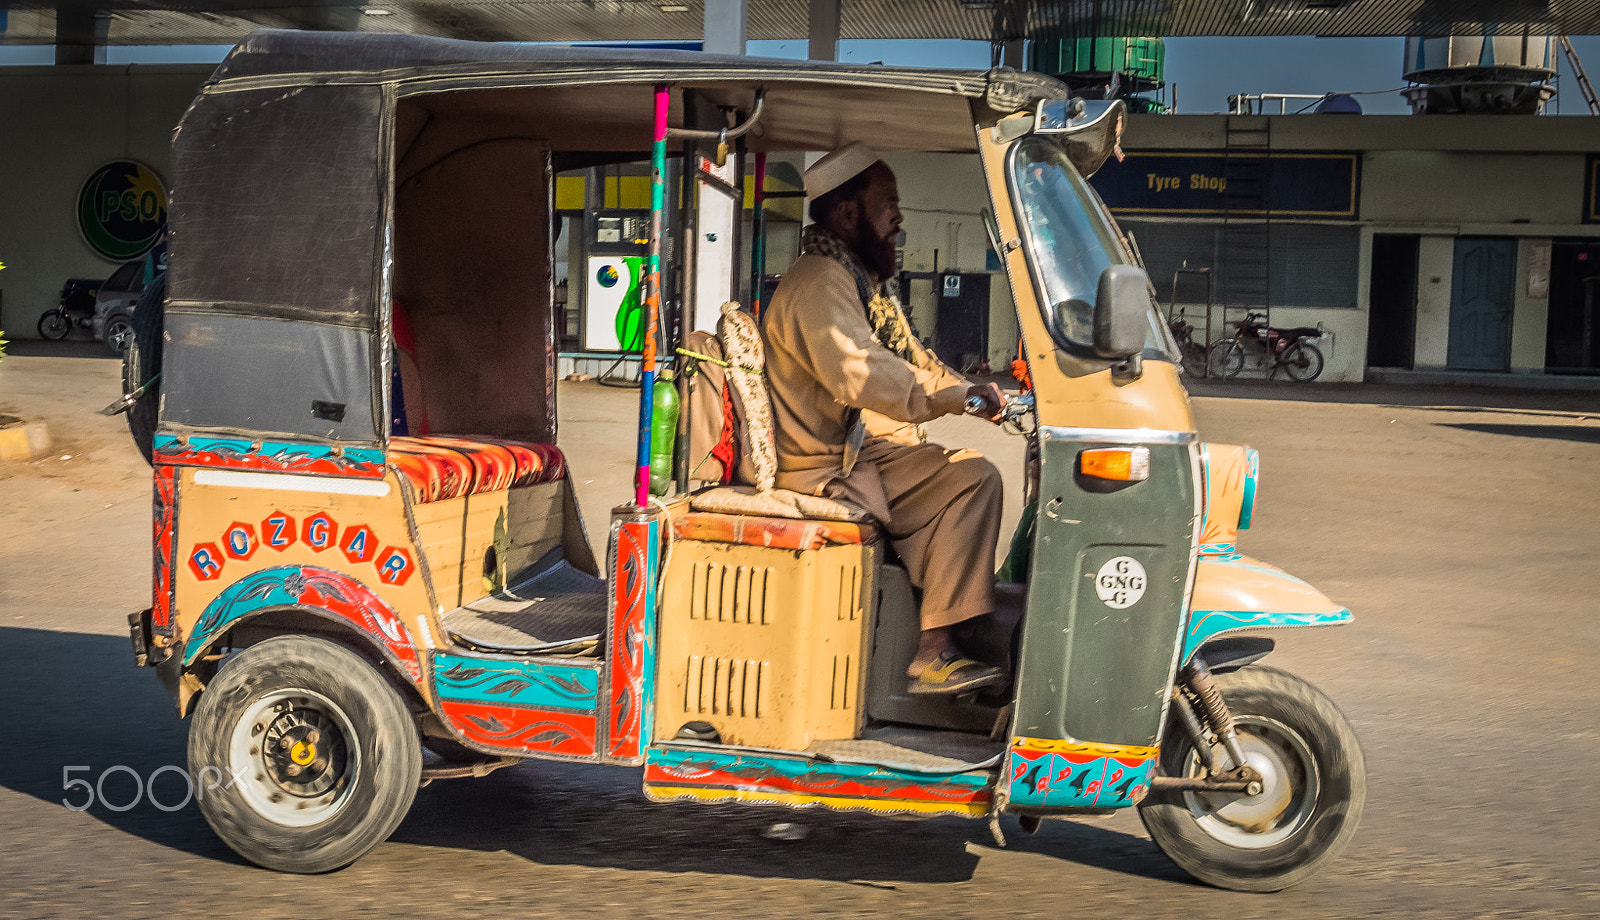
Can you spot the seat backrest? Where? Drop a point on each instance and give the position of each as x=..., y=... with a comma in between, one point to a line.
x=746, y=374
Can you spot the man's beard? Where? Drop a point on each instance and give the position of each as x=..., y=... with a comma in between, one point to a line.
x=877, y=255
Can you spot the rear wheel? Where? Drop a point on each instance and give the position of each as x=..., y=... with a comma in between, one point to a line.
x=1302, y=361
x=305, y=756
x=1314, y=784
x=54, y=326
x=1194, y=359
x=1226, y=359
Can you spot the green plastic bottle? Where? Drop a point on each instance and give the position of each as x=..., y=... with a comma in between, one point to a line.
x=663, y=434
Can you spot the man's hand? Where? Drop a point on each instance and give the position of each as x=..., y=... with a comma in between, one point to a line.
x=985, y=401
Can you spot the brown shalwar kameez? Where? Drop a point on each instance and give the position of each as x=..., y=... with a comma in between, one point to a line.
x=940, y=507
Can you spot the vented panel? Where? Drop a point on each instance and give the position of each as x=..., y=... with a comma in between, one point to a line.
x=730, y=594
x=765, y=645
x=725, y=686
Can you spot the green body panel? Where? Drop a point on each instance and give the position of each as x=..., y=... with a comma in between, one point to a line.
x=1091, y=670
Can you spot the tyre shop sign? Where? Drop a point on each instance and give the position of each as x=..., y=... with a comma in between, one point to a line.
x=122, y=208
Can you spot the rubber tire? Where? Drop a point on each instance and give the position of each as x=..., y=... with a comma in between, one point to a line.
x=1262, y=691
x=54, y=326
x=1194, y=359
x=142, y=361
x=1291, y=362
x=118, y=324
x=382, y=788
x=1226, y=359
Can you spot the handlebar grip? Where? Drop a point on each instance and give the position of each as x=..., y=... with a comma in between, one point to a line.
x=976, y=404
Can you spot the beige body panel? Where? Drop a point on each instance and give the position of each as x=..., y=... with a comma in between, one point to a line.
x=1226, y=466
x=206, y=514
x=1074, y=392
x=767, y=645
x=1239, y=583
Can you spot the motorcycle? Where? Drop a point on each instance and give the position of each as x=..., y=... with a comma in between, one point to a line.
x=75, y=311
x=1290, y=349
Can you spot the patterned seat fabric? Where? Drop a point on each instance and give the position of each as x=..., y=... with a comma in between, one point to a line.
x=445, y=468
x=779, y=533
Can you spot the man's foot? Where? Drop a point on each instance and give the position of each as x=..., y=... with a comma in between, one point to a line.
x=951, y=673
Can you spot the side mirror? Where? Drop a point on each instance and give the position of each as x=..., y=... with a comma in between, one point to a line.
x=1121, y=312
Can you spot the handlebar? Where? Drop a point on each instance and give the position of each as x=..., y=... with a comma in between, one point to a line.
x=1015, y=407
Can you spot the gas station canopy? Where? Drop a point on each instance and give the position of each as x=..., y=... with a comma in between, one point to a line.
x=144, y=22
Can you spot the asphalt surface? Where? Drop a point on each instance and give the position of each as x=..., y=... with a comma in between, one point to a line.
x=1462, y=527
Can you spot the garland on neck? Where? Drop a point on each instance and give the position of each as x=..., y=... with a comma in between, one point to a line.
x=881, y=301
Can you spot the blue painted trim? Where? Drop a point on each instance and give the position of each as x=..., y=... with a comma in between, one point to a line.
x=535, y=684
x=266, y=588
x=1052, y=780
x=647, y=714
x=1247, y=508
x=272, y=448
x=1205, y=625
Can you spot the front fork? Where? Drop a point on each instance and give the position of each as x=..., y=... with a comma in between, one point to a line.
x=1195, y=686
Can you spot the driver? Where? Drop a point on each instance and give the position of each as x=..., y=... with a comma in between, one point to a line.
x=850, y=386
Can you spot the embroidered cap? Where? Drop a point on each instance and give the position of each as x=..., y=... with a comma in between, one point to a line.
x=839, y=167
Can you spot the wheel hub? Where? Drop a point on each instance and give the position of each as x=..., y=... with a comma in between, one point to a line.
x=1289, y=788
x=295, y=754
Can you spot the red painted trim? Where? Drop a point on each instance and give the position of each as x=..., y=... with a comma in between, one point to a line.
x=165, y=520
x=630, y=583
x=933, y=791
x=521, y=730
x=268, y=463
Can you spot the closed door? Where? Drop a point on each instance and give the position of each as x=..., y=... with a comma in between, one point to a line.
x=1480, y=304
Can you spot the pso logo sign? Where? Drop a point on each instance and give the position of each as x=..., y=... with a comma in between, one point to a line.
x=121, y=209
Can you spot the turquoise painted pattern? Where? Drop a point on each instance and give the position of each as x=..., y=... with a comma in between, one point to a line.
x=1051, y=779
x=279, y=449
x=516, y=683
x=265, y=589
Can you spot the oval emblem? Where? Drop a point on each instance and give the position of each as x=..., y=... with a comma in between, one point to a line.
x=1120, y=582
x=122, y=209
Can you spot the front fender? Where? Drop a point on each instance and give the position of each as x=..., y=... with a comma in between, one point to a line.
x=1235, y=594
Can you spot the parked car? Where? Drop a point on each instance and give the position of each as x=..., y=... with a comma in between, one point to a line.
x=113, y=306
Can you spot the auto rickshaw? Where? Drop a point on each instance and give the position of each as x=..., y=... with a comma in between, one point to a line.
x=365, y=532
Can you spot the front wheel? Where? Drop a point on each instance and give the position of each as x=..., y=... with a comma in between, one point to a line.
x=1226, y=358
x=1302, y=361
x=54, y=325
x=1314, y=784
x=305, y=756
x=119, y=333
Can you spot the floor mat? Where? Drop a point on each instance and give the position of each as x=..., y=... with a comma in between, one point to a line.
x=562, y=611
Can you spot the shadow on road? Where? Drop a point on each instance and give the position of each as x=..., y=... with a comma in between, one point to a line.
x=79, y=346
x=77, y=700
x=1550, y=432
x=1412, y=395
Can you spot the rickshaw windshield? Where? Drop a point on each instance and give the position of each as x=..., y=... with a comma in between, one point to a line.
x=1070, y=241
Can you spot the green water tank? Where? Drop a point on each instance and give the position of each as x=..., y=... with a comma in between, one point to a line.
x=1076, y=61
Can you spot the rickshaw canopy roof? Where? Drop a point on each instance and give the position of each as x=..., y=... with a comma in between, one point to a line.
x=598, y=98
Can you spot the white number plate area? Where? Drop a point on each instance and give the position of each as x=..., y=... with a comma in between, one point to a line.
x=1120, y=582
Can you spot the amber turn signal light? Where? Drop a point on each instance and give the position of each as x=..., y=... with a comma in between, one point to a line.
x=1122, y=464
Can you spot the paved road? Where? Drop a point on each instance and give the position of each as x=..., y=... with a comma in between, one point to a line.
x=1461, y=526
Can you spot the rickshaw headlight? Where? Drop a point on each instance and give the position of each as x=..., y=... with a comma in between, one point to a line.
x=1122, y=464
x=1247, y=504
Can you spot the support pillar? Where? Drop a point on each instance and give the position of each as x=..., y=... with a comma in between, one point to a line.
x=726, y=25
x=81, y=36
x=824, y=30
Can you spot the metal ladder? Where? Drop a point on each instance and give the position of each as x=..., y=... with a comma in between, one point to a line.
x=1583, y=78
x=1246, y=245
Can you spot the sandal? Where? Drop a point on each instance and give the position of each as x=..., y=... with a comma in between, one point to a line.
x=953, y=673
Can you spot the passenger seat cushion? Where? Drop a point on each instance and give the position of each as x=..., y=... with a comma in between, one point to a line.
x=443, y=468
x=778, y=533
x=777, y=503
